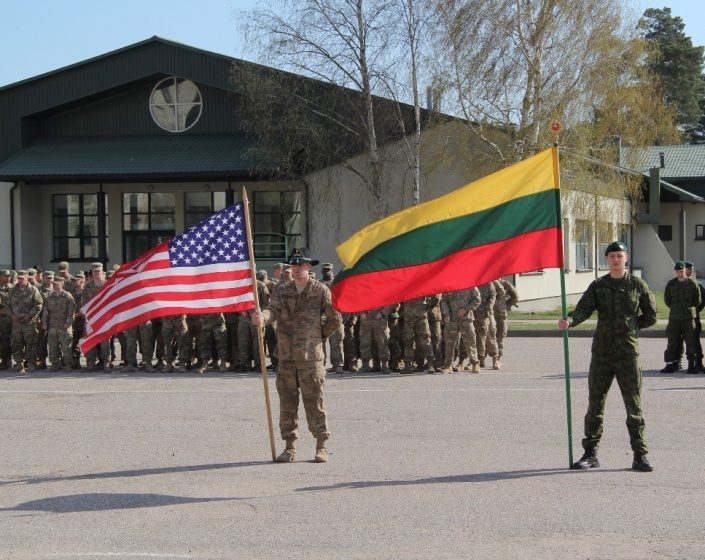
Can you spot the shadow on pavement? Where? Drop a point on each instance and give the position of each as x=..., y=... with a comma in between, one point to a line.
x=479, y=477
x=101, y=502
x=136, y=472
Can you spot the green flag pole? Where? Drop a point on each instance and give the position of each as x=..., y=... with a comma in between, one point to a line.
x=564, y=308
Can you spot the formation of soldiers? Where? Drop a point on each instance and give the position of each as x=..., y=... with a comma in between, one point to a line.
x=41, y=325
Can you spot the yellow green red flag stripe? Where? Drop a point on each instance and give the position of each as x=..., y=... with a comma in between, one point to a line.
x=507, y=223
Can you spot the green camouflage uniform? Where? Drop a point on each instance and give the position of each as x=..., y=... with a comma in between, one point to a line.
x=682, y=299
x=89, y=292
x=304, y=321
x=457, y=327
x=623, y=306
x=26, y=306
x=373, y=330
x=57, y=318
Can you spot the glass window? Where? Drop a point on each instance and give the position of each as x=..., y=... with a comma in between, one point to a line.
x=200, y=205
x=700, y=231
x=277, y=222
x=75, y=222
x=175, y=104
x=147, y=220
x=583, y=245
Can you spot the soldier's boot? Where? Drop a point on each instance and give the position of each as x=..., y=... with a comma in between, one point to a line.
x=671, y=367
x=201, y=370
x=129, y=367
x=350, y=366
x=407, y=368
x=641, y=463
x=90, y=365
x=701, y=367
x=148, y=367
x=180, y=367
x=588, y=460
x=19, y=368
x=159, y=364
x=223, y=366
x=481, y=361
x=376, y=365
x=366, y=367
x=169, y=366
x=475, y=368
x=692, y=368
x=679, y=365
x=496, y=364
x=447, y=368
x=385, y=368
x=429, y=368
x=321, y=451
x=289, y=453
x=56, y=366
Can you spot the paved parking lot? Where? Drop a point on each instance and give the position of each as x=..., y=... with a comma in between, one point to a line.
x=100, y=466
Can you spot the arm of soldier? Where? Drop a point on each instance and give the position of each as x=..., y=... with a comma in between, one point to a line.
x=45, y=318
x=585, y=307
x=332, y=318
x=667, y=294
x=702, y=297
x=697, y=300
x=512, y=294
x=37, y=305
x=647, y=307
x=501, y=292
x=445, y=308
x=474, y=299
x=270, y=313
x=70, y=310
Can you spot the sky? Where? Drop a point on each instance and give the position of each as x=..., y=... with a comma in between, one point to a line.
x=39, y=36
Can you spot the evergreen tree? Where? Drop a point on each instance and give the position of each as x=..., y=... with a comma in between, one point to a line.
x=679, y=67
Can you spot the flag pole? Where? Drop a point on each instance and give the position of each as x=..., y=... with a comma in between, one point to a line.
x=260, y=330
x=564, y=308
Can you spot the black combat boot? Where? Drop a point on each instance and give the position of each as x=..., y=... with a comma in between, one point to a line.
x=671, y=367
x=588, y=460
x=701, y=367
x=692, y=368
x=641, y=463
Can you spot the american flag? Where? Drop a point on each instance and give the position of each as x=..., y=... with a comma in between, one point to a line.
x=205, y=269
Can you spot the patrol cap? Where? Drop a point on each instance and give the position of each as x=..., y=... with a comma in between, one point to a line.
x=63, y=265
x=48, y=274
x=300, y=255
x=79, y=276
x=261, y=275
x=278, y=266
x=680, y=265
x=58, y=280
x=616, y=246
x=96, y=266
x=688, y=264
x=31, y=272
x=326, y=266
x=4, y=273
x=21, y=274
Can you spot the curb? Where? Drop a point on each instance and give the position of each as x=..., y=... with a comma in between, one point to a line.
x=575, y=334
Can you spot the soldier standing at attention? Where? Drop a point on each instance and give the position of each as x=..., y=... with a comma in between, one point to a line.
x=25, y=306
x=57, y=318
x=483, y=317
x=5, y=321
x=690, y=273
x=305, y=318
x=416, y=330
x=89, y=292
x=458, y=314
x=501, y=307
x=624, y=304
x=335, y=341
x=374, y=328
x=79, y=321
x=682, y=296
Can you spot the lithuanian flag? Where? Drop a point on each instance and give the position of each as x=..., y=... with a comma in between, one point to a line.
x=506, y=223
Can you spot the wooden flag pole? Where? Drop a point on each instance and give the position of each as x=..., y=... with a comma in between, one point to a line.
x=260, y=330
x=564, y=309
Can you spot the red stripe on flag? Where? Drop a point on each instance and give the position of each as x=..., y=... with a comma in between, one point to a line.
x=461, y=270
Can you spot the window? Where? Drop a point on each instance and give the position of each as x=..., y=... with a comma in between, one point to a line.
x=147, y=220
x=699, y=231
x=200, y=205
x=583, y=248
x=75, y=218
x=277, y=222
x=605, y=237
x=665, y=233
x=175, y=104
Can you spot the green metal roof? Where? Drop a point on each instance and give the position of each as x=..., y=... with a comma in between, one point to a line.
x=683, y=161
x=162, y=156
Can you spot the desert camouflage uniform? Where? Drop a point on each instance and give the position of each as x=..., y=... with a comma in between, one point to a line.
x=351, y=346
x=26, y=307
x=458, y=314
x=42, y=348
x=483, y=317
x=304, y=320
x=375, y=330
x=623, y=306
x=142, y=332
x=248, y=345
x=502, y=305
x=5, y=328
x=416, y=331
x=57, y=318
x=89, y=291
x=173, y=331
x=435, y=325
x=335, y=342
x=213, y=331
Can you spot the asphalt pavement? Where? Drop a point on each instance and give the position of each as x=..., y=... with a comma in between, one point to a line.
x=157, y=466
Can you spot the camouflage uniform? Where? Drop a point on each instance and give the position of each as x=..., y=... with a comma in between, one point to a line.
x=192, y=338
x=42, y=347
x=213, y=330
x=458, y=314
x=26, y=306
x=5, y=322
x=247, y=333
x=623, y=306
x=416, y=330
x=502, y=305
x=231, y=322
x=143, y=332
x=683, y=299
x=304, y=320
x=89, y=292
x=79, y=321
x=335, y=340
x=491, y=343
x=57, y=318
x=483, y=317
x=173, y=330
x=351, y=347
x=435, y=325
x=374, y=328
x=396, y=346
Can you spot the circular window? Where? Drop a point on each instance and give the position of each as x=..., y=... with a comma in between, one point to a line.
x=175, y=104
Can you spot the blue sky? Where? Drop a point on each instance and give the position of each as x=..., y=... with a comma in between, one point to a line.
x=43, y=35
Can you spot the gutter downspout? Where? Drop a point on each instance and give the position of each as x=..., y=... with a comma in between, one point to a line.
x=12, y=225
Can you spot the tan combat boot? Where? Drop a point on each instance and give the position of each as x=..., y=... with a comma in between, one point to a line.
x=496, y=364
x=475, y=368
x=482, y=361
x=289, y=454
x=407, y=367
x=321, y=452
x=366, y=367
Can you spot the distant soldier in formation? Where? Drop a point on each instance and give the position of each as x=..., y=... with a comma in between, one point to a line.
x=690, y=273
x=483, y=317
x=5, y=321
x=213, y=331
x=89, y=292
x=374, y=329
x=506, y=299
x=26, y=307
x=79, y=321
x=247, y=337
x=417, y=335
x=435, y=325
x=335, y=341
x=57, y=319
x=458, y=315
x=351, y=351
x=143, y=333
x=173, y=331
x=682, y=296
